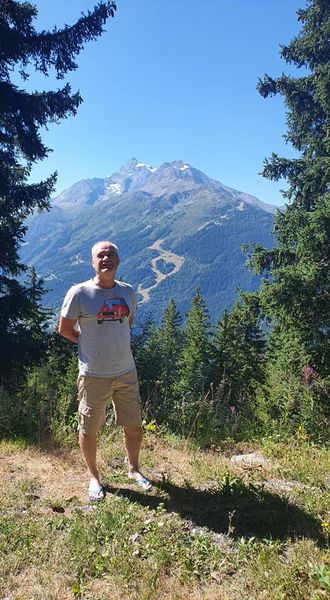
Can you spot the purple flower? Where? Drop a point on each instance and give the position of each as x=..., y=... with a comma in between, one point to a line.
x=308, y=373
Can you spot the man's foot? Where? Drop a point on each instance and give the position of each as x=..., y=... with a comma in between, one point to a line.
x=96, y=491
x=142, y=482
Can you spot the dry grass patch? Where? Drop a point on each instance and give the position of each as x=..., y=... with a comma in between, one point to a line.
x=42, y=475
x=169, y=588
x=35, y=583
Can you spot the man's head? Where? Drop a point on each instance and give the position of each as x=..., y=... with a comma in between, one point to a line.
x=105, y=257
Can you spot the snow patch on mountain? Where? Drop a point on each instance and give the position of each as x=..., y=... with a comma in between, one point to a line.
x=114, y=188
x=140, y=165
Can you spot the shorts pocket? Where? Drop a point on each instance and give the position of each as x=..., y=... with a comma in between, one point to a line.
x=84, y=409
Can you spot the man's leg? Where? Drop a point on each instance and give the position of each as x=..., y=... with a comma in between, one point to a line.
x=133, y=440
x=126, y=401
x=92, y=393
x=88, y=447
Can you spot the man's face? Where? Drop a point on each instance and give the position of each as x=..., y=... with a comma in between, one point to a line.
x=105, y=259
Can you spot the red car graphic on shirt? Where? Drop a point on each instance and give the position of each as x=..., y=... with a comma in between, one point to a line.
x=113, y=309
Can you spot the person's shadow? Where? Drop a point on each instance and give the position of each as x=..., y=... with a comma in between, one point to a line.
x=238, y=510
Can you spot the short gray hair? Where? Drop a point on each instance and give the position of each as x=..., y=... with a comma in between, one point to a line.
x=103, y=242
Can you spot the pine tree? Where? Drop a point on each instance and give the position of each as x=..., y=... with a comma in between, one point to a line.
x=156, y=352
x=238, y=353
x=146, y=352
x=295, y=293
x=193, y=361
x=22, y=115
x=24, y=332
x=170, y=338
x=150, y=373
x=296, y=290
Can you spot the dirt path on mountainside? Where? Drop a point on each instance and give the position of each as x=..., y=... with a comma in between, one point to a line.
x=168, y=258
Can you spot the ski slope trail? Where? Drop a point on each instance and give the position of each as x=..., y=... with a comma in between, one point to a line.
x=167, y=258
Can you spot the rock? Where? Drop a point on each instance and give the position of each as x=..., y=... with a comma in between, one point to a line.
x=286, y=486
x=252, y=459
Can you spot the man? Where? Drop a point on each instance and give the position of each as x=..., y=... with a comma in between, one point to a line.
x=97, y=315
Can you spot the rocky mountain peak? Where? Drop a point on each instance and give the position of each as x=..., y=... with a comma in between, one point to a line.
x=171, y=178
x=131, y=176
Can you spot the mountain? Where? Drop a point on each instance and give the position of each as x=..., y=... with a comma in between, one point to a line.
x=176, y=229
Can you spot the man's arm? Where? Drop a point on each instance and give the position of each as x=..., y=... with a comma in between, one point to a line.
x=67, y=328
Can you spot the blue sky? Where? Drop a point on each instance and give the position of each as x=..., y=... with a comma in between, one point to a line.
x=172, y=80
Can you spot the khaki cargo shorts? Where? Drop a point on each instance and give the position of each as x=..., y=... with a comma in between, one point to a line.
x=94, y=393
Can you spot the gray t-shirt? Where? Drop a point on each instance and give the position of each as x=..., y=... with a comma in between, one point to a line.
x=104, y=333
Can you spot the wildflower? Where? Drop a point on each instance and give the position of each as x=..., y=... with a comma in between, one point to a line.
x=232, y=409
x=313, y=379
x=325, y=525
x=308, y=373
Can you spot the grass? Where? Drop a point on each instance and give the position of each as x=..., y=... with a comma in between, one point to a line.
x=211, y=528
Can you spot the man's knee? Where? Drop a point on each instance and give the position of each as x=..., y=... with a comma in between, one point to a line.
x=87, y=438
x=133, y=432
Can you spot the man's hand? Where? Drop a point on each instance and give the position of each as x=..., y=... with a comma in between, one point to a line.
x=67, y=328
